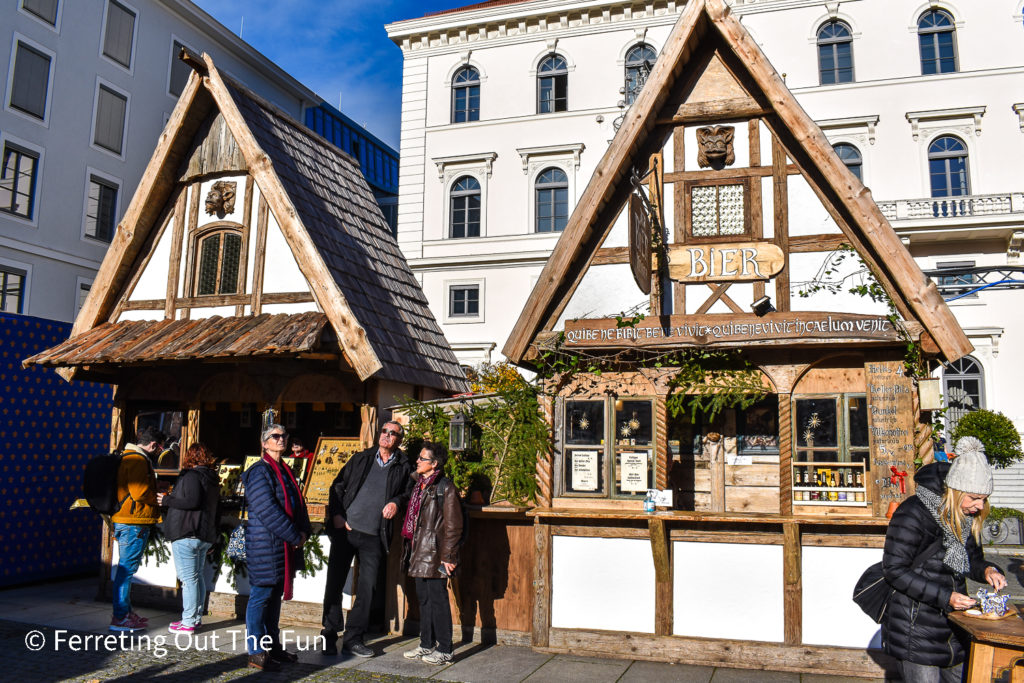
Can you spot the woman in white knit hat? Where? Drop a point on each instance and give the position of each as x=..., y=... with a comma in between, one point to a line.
x=939, y=530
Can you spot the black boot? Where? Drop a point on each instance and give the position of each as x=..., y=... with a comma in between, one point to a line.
x=282, y=656
x=330, y=643
x=263, y=661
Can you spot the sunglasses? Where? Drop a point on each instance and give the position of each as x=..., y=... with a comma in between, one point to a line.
x=422, y=459
x=390, y=432
x=277, y=436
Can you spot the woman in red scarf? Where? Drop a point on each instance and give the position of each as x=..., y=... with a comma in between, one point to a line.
x=432, y=529
x=278, y=526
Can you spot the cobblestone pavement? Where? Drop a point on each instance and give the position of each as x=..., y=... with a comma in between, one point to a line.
x=40, y=653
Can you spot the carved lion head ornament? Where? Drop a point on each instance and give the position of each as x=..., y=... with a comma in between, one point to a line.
x=714, y=146
x=221, y=198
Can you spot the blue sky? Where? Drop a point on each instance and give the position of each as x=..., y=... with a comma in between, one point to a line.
x=337, y=48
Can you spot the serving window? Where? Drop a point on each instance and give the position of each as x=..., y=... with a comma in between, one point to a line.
x=830, y=462
x=608, y=440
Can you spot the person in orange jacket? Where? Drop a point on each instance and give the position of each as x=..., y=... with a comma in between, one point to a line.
x=136, y=489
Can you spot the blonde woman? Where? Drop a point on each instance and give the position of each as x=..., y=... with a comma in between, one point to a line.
x=942, y=520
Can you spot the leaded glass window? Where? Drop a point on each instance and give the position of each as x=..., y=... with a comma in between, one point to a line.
x=717, y=210
x=219, y=263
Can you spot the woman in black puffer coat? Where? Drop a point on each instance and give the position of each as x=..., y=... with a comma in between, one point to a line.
x=915, y=629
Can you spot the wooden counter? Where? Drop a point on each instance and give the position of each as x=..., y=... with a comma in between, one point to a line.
x=996, y=645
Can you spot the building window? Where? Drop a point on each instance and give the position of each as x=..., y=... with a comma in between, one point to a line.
x=552, y=195
x=850, y=156
x=219, y=269
x=83, y=294
x=44, y=9
x=466, y=95
x=119, y=33
x=831, y=450
x=180, y=71
x=963, y=388
x=639, y=62
x=947, y=167
x=18, y=181
x=958, y=281
x=101, y=209
x=607, y=447
x=464, y=301
x=31, y=80
x=465, y=208
x=717, y=208
x=552, y=85
x=111, y=109
x=835, y=53
x=937, y=40
x=12, y=289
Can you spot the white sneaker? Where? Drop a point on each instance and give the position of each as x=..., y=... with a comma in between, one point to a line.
x=436, y=657
x=417, y=653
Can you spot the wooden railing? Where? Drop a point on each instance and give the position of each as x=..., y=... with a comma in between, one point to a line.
x=953, y=207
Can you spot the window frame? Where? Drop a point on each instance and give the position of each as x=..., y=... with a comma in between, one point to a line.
x=130, y=66
x=949, y=421
x=932, y=32
x=748, y=231
x=455, y=88
x=550, y=187
x=195, y=258
x=17, y=39
x=37, y=154
x=563, y=73
x=55, y=26
x=833, y=43
x=110, y=87
x=860, y=158
x=843, y=449
x=9, y=265
x=629, y=94
x=450, y=197
x=80, y=283
x=110, y=181
x=170, y=65
x=946, y=156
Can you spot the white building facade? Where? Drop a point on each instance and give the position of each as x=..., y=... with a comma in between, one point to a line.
x=508, y=107
x=89, y=85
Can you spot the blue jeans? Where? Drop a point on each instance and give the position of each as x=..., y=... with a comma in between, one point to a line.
x=261, y=617
x=922, y=673
x=131, y=542
x=189, y=562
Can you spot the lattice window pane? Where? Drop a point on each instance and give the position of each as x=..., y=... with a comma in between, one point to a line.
x=730, y=210
x=704, y=201
x=209, y=250
x=229, y=267
x=717, y=210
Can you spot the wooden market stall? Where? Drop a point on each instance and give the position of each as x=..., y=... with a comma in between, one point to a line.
x=746, y=234
x=253, y=270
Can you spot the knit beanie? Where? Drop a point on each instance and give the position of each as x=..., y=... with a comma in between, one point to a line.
x=970, y=472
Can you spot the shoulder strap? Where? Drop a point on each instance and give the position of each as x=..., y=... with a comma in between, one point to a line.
x=927, y=553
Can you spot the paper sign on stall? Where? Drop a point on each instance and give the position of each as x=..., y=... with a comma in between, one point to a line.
x=584, y=470
x=633, y=467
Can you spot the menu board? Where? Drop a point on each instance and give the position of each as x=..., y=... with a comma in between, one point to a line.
x=633, y=470
x=584, y=470
x=330, y=456
x=890, y=432
x=296, y=465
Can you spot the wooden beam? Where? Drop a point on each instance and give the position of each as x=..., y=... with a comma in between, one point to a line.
x=754, y=141
x=801, y=244
x=792, y=584
x=785, y=453
x=662, y=576
x=541, y=585
x=727, y=300
x=610, y=255
x=189, y=289
x=717, y=292
x=174, y=267
x=780, y=204
x=250, y=185
x=726, y=173
x=219, y=300
x=711, y=112
x=260, y=264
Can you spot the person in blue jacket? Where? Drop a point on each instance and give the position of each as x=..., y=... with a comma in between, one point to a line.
x=278, y=527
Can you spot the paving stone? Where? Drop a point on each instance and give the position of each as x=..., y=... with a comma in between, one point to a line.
x=646, y=672
x=493, y=664
x=747, y=675
x=824, y=678
x=562, y=668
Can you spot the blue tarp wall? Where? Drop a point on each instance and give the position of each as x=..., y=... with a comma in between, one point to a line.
x=50, y=428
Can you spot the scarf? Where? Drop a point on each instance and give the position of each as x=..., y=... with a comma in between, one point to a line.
x=289, y=565
x=956, y=557
x=412, y=513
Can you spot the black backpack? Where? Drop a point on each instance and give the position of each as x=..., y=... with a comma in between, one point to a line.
x=99, y=485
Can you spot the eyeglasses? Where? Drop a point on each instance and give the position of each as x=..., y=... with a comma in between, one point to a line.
x=282, y=437
x=422, y=459
x=390, y=432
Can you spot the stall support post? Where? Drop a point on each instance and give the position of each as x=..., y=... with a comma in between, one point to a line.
x=785, y=454
x=191, y=427
x=540, y=634
x=793, y=584
x=662, y=577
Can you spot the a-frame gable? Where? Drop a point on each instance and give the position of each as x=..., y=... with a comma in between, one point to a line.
x=710, y=71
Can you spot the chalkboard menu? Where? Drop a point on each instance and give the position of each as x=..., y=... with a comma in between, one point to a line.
x=890, y=432
x=330, y=456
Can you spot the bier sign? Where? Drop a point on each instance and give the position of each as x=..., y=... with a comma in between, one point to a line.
x=734, y=262
x=640, y=242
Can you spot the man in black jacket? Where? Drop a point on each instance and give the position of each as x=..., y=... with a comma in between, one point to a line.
x=370, y=490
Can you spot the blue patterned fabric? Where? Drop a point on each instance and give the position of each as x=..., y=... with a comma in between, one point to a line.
x=50, y=430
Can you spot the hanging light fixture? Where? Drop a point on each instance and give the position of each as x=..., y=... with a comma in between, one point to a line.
x=457, y=432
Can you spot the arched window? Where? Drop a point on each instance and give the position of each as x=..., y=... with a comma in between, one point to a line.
x=465, y=208
x=850, y=156
x=552, y=84
x=947, y=167
x=937, y=39
x=639, y=62
x=219, y=256
x=835, y=53
x=466, y=95
x=552, y=198
x=963, y=388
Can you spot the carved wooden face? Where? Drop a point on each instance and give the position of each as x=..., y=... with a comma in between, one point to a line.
x=715, y=146
x=221, y=198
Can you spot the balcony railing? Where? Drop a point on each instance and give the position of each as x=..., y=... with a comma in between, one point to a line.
x=953, y=207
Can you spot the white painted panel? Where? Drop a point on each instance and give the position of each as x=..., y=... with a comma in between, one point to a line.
x=153, y=282
x=619, y=234
x=602, y=583
x=830, y=617
x=807, y=215
x=250, y=263
x=804, y=268
x=290, y=308
x=150, y=573
x=605, y=291
x=282, y=273
x=141, y=315
x=767, y=208
x=728, y=590
x=766, y=145
x=225, y=311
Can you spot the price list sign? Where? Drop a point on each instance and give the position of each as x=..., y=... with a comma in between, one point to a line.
x=890, y=432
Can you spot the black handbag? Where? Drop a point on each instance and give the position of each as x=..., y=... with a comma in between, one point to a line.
x=872, y=592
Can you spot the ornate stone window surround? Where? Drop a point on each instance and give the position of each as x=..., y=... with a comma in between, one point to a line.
x=450, y=169
x=535, y=160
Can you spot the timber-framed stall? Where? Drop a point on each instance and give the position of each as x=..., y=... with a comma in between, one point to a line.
x=779, y=505
x=253, y=270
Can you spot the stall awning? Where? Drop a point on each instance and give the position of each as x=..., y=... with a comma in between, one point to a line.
x=144, y=341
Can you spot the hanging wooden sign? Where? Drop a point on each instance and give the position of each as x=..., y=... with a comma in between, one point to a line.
x=890, y=432
x=640, y=243
x=733, y=262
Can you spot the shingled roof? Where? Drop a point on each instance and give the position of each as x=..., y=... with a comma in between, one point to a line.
x=327, y=213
